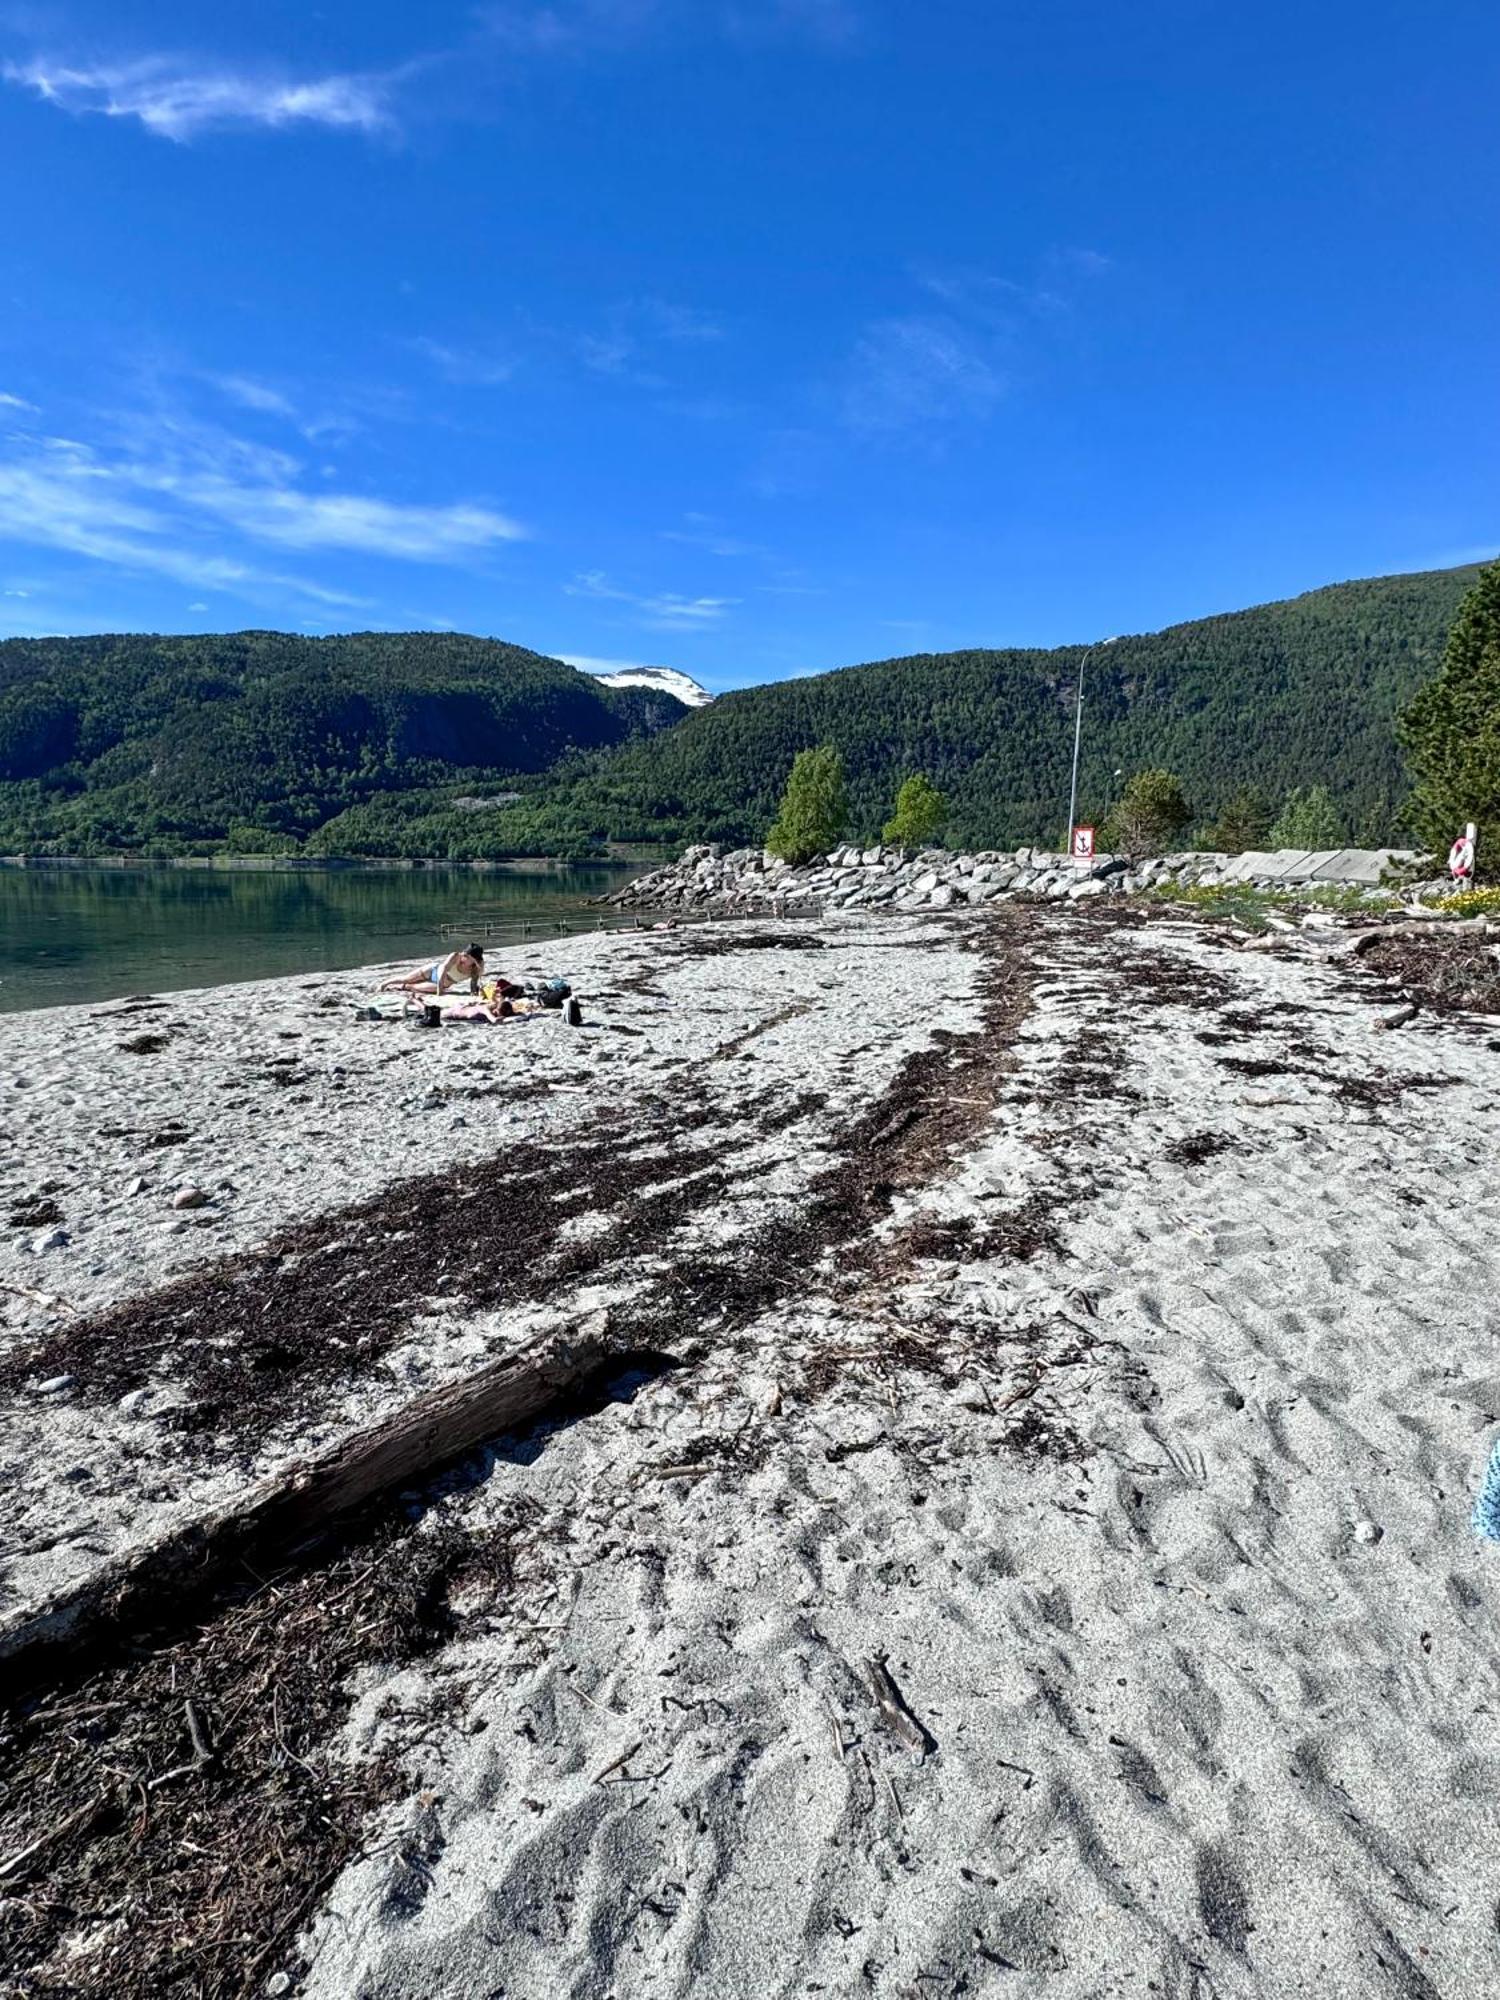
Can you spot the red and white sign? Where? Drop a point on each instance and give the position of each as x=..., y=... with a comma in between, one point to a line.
x=1083, y=843
x=1461, y=856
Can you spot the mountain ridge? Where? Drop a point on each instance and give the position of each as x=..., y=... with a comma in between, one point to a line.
x=362, y=744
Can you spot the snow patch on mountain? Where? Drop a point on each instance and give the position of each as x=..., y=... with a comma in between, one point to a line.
x=665, y=680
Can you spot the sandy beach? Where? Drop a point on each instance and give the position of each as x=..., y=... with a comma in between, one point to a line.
x=1020, y=1544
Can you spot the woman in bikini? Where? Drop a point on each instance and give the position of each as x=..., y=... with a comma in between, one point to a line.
x=443, y=973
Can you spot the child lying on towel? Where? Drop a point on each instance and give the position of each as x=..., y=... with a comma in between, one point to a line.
x=499, y=1007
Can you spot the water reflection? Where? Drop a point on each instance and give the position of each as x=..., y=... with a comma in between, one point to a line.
x=69, y=934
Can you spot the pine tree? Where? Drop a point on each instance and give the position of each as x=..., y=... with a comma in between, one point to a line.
x=1243, y=823
x=1151, y=813
x=920, y=812
x=814, y=806
x=1451, y=732
x=1308, y=819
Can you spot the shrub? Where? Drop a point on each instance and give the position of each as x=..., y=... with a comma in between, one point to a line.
x=920, y=812
x=1151, y=814
x=814, y=806
x=1308, y=819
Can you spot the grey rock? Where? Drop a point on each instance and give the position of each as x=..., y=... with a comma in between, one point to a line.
x=190, y=1197
x=50, y=1239
x=133, y=1400
x=942, y=898
x=54, y=1385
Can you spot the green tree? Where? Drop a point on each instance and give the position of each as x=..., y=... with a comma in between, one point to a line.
x=814, y=806
x=1451, y=731
x=1151, y=813
x=1242, y=823
x=1308, y=819
x=920, y=812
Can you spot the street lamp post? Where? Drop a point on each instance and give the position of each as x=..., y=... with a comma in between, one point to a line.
x=1067, y=846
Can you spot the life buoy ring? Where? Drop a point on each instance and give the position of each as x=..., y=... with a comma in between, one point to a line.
x=1461, y=857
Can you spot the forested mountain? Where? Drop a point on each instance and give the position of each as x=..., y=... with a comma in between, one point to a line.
x=406, y=743
x=1300, y=692
x=260, y=738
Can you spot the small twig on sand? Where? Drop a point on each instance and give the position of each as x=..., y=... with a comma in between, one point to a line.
x=18, y=1861
x=618, y=1765
x=838, y=1730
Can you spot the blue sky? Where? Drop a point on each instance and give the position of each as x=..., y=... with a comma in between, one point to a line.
x=752, y=337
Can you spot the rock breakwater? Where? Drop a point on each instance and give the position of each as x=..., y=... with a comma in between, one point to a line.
x=748, y=880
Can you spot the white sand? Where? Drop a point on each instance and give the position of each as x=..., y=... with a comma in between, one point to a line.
x=1213, y=1690
x=1215, y=1706
x=80, y=1484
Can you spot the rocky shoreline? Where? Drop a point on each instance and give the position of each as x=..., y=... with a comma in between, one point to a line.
x=748, y=880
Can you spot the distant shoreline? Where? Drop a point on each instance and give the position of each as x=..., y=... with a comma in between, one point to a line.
x=320, y=864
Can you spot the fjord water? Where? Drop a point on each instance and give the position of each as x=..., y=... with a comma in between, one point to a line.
x=80, y=934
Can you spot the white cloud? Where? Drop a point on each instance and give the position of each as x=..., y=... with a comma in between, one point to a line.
x=665, y=611
x=299, y=520
x=177, y=99
x=8, y=402
x=918, y=372
x=61, y=502
x=161, y=497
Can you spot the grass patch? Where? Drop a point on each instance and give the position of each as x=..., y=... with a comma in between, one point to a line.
x=1242, y=903
x=1471, y=903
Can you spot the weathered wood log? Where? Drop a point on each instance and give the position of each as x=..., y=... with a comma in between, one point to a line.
x=301, y=1502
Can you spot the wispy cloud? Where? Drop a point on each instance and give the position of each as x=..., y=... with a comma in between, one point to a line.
x=924, y=370
x=580, y=27
x=178, y=98
x=481, y=368
x=634, y=333
x=163, y=495
x=954, y=361
x=9, y=402
x=662, y=612
x=701, y=531
x=252, y=394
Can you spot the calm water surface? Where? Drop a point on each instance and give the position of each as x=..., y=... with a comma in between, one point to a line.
x=71, y=934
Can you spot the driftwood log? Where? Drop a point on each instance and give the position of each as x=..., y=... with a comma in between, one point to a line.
x=299, y=1504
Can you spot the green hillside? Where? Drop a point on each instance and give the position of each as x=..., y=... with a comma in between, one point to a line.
x=1300, y=692
x=381, y=743
x=260, y=738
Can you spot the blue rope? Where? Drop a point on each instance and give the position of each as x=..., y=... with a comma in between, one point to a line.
x=1487, y=1506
